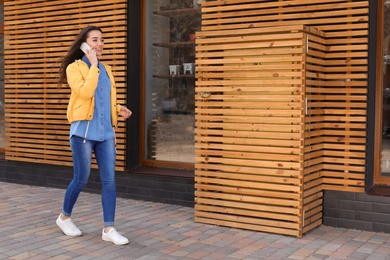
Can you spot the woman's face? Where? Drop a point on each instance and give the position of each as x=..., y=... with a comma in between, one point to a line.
x=96, y=41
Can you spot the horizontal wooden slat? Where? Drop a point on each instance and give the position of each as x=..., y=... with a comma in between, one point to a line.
x=210, y=220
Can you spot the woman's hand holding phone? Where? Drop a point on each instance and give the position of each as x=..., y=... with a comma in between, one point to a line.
x=90, y=53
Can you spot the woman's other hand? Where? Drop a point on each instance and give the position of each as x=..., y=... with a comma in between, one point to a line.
x=125, y=112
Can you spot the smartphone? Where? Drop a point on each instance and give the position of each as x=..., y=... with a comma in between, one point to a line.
x=85, y=47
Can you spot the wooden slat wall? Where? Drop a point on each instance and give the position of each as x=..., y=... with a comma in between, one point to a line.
x=232, y=146
x=249, y=128
x=37, y=35
x=343, y=100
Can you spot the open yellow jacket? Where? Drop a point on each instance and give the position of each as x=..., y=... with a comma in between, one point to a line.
x=83, y=82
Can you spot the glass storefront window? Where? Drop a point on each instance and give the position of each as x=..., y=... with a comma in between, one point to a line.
x=2, y=134
x=385, y=153
x=170, y=79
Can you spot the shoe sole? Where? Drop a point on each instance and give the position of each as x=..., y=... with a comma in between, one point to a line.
x=110, y=240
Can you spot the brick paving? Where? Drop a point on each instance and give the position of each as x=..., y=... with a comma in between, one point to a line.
x=158, y=231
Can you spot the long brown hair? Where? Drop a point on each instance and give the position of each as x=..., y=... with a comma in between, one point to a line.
x=74, y=52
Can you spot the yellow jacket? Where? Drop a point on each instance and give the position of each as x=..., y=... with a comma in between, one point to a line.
x=83, y=82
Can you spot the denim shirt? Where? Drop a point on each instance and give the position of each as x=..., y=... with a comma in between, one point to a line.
x=99, y=128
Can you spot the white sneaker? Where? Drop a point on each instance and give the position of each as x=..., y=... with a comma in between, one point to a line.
x=113, y=236
x=68, y=227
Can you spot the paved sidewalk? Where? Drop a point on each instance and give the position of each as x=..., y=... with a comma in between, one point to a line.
x=157, y=231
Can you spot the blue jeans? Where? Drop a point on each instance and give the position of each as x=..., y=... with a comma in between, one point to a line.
x=105, y=155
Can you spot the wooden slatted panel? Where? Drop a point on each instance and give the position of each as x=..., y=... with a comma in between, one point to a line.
x=343, y=98
x=37, y=34
x=324, y=14
x=335, y=129
x=249, y=129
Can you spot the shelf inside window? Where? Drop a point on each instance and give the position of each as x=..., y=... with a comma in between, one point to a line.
x=180, y=76
x=174, y=44
x=177, y=12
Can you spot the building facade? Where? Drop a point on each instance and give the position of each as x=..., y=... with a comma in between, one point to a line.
x=262, y=114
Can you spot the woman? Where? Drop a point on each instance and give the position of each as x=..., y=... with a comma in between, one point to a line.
x=92, y=112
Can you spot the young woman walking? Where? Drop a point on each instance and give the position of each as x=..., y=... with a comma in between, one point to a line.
x=92, y=113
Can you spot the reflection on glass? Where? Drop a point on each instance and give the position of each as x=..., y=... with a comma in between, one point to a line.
x=170, y=80
x=385, y=158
